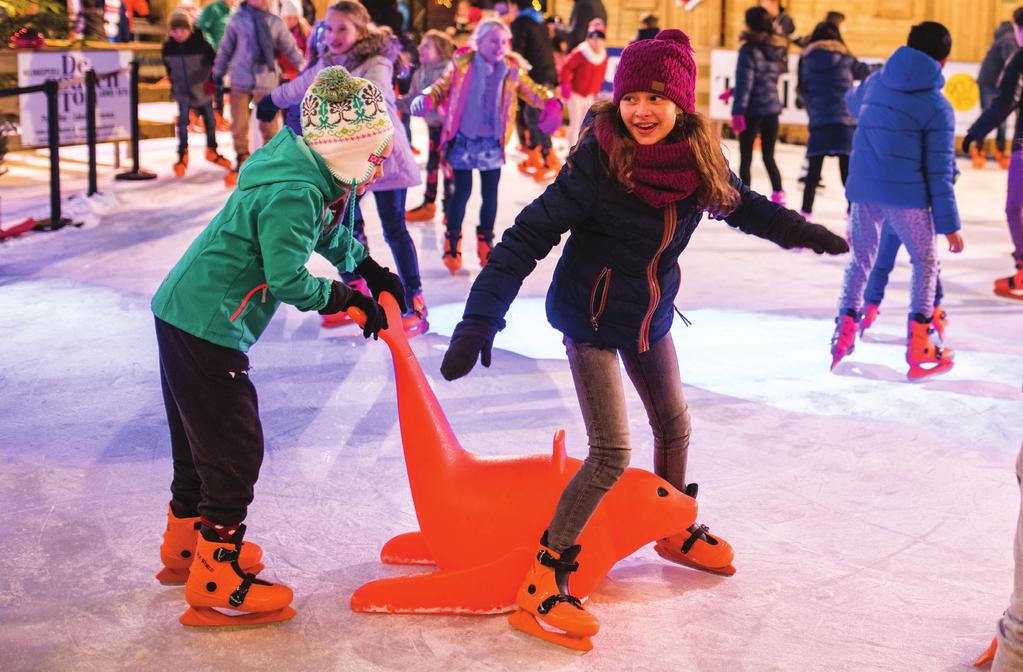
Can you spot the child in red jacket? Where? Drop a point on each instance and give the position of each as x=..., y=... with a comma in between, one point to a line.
x=582, y=76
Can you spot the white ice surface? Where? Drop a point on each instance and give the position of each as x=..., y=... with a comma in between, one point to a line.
x=872, y=518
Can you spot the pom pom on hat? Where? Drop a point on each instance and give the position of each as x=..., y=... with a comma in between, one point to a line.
x=663, y=65
x=345, y=121
x=289, y=8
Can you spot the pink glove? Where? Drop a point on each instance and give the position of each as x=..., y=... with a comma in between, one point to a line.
x=420, y=105
x=726, y=96
x=550, y=116
x=738, y=123
x=566, y=90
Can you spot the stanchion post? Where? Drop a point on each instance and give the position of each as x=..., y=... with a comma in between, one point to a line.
x=53, y=136
x=90, y=127
x=136, y=173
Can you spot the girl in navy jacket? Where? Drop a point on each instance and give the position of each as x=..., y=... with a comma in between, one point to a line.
x=826, y=72
x=763, y=58
x=635, y=187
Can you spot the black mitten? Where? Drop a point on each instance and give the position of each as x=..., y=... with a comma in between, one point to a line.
x=380, y=279
x=473, y=338
x=789, y=229
x=343, y=297
x=265, y=109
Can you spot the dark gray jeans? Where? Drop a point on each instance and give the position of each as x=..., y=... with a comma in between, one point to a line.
x=598, y=383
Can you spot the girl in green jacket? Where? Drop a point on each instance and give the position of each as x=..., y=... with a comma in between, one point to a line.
x=294, y=197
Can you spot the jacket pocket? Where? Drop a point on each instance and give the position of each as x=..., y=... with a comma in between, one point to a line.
x=247, y=298
x=598, y=296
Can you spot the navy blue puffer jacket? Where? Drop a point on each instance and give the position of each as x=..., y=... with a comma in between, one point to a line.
x=762, y=60
x=618, y=276
x=826, y=72
x=904, y=147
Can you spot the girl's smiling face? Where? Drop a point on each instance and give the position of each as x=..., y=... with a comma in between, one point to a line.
x=493, y=46
x=341, y=34
x=649, y=117
x=428, y=54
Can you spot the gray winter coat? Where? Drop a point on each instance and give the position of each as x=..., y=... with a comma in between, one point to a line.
x=371, y=58
x=1002, y=49
x=188, y=67
x=238, y=51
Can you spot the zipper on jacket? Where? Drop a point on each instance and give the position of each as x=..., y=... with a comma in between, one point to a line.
x=670, y=221
x=248, y=296
x=597, y=308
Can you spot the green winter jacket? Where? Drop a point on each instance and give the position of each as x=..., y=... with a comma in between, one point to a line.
x=252, y=256
x=213, y=20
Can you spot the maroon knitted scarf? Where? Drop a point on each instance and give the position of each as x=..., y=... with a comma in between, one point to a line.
x=662, y=173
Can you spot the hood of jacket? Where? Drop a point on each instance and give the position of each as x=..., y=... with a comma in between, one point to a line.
x=280, y=159
x=826, y=45
x=1005, y=31
x=822, y=58
x=909, y=69
x=775, y=47
x=378, y=42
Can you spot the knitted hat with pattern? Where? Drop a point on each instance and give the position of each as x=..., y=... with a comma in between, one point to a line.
x=345, y=121
x=663, y=65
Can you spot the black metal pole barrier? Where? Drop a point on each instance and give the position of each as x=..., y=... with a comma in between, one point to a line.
x=135, y=173
x=90, y=127
x=55, y=221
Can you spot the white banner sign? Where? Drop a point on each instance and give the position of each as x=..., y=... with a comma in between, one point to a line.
x=960, y=88
x=113, y=113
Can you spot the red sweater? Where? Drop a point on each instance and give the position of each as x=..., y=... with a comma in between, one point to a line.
x=583, y=72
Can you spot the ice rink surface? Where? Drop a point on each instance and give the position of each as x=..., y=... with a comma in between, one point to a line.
x=872, y=518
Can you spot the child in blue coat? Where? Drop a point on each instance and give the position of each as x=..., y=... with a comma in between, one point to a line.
x=901, y=173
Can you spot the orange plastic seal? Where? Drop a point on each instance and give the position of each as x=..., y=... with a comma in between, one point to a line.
x=480, y=518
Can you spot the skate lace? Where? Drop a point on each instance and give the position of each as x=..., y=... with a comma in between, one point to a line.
x=555, y=600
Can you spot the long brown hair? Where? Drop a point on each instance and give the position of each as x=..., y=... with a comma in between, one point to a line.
x=356, y=13
x=715, y=193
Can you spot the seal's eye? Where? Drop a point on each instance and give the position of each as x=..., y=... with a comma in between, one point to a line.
x=661, y=492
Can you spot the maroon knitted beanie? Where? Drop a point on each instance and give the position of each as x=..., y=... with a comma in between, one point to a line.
x=662, y=65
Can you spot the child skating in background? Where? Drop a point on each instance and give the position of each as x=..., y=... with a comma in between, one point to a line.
x=762, y=59
x=479, y=93
x=351, y=40
x=292, y=198
x=630, y=197
x=582, y=76
x=826, y=72
x=247, y=54
x=435, y=52
x=188, y=58
x=901, y=173
x=1007, y=100
x=300, y=30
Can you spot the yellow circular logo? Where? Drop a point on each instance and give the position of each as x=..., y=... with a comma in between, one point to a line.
x=962, y=91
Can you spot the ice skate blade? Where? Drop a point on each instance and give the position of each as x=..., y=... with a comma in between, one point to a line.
x=988, y=654
x=727, y=570
x=1008, y=294
x=335, y=321
x=524, y=621
x=919, y=372
x=208, y=617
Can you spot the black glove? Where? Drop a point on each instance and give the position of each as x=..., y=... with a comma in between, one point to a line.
x=789, y=229
x=967, y=141
x=473, y=337
x=343, y=297
x=380, y=279
x=822, y=241
x=265, y=108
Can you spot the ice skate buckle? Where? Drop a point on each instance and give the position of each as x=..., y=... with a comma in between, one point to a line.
x=554, y=600
x=238, y=596
x=222, y=554
x=698, y=531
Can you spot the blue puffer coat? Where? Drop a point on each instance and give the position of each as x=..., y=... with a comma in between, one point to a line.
x=904, y=148
x=826, y=72
x=616, y=281
x=763, y=59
